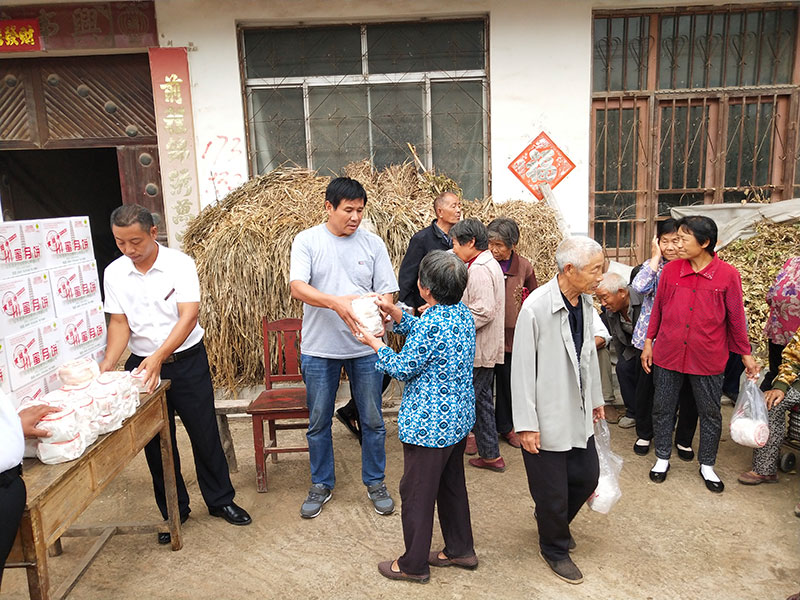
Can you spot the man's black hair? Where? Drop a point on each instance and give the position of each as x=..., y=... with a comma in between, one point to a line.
x=344, y=188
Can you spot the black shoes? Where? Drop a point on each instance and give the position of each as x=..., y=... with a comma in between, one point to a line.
x=233, y=514
x=164, y=537
x=564, y=569
x=656, y=477
x=713, y=486
x=641, y=450
x=687, y=455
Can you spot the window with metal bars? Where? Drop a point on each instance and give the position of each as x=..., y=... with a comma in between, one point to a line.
x=690, y=106
x=321, y=97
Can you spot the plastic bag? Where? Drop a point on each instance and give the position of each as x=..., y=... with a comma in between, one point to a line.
x=749, y=423
x=608, y=491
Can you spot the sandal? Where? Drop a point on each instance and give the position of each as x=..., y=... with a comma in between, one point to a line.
x=385, y=569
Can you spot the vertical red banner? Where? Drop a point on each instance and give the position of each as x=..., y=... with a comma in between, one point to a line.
x=169, y=69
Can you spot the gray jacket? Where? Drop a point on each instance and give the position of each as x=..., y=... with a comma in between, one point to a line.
x=550, y=393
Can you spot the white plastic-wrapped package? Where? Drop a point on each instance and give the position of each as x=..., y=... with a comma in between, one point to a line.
x=79, y=371
x=105, y=396
x=368, y=314
x=749, y=425
x=31, y=446
x=749, y=432
x=608, y=492
x=59, y=452
x=139, y=377
x=62, y=425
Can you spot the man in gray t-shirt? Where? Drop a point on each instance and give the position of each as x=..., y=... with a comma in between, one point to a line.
x=331, y=264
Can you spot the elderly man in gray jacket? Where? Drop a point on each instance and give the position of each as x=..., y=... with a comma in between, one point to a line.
x=556, y=397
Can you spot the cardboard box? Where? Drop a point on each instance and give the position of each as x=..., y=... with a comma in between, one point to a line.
x=67, y=241
x=25, y=302
x=29, y=393
x=83, y=332
x=21, y=248
x=5, y=382
x=32, y=354
x=75, y=287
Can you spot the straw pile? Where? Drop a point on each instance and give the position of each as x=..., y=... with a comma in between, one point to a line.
x=242, y=248
x=758, y=260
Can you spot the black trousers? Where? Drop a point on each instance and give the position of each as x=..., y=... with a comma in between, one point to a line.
x=733, y=374
x=775, y=351
x=628, y=372
x=686, y=414
x=12, y=503
x=560, y=483
x=191, y=395
x=434, y=476
x=502, y=400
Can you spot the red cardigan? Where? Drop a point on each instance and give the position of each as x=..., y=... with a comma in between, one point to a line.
x=698, y=318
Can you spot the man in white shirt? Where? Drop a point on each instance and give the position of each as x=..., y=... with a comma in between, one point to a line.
x=13, y=429
x=152, y=294
x=332, y=264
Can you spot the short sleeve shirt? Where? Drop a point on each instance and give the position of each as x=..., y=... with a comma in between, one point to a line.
x=150, y=300
x=338, y=265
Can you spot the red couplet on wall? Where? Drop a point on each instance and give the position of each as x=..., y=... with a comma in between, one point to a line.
x=20, y=35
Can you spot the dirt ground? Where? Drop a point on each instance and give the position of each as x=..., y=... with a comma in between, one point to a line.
x=674, y=540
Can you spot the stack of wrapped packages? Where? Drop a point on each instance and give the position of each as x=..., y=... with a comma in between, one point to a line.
x=90, y=405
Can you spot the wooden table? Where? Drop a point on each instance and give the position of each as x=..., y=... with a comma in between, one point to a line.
x=58, y=494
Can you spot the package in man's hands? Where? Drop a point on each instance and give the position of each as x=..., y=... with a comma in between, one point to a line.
x=749, y=422
x=368, y=314
x=608, y=492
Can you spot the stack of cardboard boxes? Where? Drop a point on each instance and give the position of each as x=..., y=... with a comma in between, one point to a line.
x=51, y=310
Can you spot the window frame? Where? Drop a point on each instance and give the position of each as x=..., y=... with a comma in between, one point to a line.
x=782, y=171
x=425, y=78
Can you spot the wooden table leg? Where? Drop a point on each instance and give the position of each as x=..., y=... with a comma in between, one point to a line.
x=168, y=466
x=35, y=552
x=56, y=549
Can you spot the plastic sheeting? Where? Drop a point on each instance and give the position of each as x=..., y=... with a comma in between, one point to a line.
x=735, y=221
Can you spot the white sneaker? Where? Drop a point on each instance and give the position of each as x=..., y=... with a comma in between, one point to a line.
x=626, y=422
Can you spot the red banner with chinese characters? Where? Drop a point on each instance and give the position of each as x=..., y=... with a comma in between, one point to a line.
x=20, y=35
x=172, y=96
x=87, y=25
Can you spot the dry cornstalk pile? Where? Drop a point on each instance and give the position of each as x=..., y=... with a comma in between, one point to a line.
x=758, y=260
x=242, y=248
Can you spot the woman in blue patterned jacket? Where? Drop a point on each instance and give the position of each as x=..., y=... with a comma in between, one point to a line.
x=436, y=414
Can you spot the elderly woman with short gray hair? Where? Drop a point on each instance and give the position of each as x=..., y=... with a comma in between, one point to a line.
x=436, y=413
x=520, y=281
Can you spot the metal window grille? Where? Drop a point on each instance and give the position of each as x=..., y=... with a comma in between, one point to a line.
x=321, y=97
x=710, y=123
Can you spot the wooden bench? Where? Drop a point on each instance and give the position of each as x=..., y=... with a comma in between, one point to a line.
x=223, y=408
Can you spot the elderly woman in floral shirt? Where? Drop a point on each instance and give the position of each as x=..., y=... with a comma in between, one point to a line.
x=784, y=315
x=436, y=413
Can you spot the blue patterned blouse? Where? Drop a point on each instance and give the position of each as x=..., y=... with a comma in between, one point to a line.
x=438, y=406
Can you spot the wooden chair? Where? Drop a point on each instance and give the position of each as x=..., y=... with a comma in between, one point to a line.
x=279, y=403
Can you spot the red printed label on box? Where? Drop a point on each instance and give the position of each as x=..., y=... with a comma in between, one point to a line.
x=25, y=302
x=83, y=332
x=75, y=287
x=32, y=353
x=21, y=250
x=67, y=241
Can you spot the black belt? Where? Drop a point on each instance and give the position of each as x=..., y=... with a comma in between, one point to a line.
x=10, y=476
x=176, y=356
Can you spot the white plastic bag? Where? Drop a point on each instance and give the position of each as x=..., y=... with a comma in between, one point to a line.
x=608, y=491
x=368, y=313
x=749, y=422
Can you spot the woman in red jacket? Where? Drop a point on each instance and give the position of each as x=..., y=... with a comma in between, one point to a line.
x=697, y=319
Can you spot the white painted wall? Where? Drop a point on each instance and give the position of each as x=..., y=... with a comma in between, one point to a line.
x=540, y=60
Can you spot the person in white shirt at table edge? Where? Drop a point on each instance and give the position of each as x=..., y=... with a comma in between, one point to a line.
x=13, y=429
x=152, y=294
